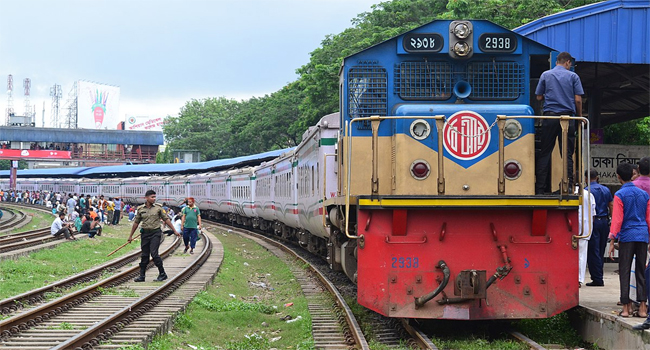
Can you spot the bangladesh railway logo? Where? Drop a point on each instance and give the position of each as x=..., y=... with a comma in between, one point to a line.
x=466, y=135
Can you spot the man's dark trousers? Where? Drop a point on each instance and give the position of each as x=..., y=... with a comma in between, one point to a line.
x=150, y=242
x=549, y=132
x=596, y=250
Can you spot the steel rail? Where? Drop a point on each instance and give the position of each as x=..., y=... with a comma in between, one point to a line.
x=22, y=237
x=105, y=330
x=16, y=219
x=533, y=344
x=30, y=318
x=420, y=339
x=17, y=237
x=355, y=329
x=29, y=243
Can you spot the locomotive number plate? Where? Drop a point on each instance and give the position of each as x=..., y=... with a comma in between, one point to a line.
x=497, y=42
x=405, y=262
x=423, y=42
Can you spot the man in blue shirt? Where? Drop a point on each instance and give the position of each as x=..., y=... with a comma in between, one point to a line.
x=600, y=231
x=561, y=91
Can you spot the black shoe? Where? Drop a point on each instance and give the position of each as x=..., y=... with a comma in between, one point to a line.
x=161, y=277
x=139, y=279
x=595, y=284
x=643, y=326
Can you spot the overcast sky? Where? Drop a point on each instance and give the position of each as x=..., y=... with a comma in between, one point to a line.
x=162, y=53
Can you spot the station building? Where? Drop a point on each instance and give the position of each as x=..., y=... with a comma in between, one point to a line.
x=56, y=147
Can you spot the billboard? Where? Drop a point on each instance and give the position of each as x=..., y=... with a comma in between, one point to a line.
x=98, y=105
x=144, y=123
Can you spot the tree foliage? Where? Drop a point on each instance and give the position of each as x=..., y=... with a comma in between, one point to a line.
x=634, y=132
x=5, y=164
x=224, y=128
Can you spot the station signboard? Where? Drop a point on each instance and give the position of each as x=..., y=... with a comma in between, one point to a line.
x=605, y=159
x=144, y=123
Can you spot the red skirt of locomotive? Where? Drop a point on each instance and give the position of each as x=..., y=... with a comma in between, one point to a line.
x=529, y=251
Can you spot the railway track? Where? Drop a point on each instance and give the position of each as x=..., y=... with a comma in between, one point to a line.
x=23, y=236
x=15, y=303
x=333, y=323
x=12, y=218
x=18, y=241
x=114, y=312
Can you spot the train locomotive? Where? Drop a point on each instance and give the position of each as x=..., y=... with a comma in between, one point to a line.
x=421, y=189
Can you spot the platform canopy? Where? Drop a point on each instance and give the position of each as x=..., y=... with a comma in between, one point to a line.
x=121, y=171
x=56, y=135
x=611, y=43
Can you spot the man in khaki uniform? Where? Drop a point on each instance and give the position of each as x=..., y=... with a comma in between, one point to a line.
x=150, y=214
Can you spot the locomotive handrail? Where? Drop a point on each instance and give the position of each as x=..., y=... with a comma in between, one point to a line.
x=584, y=142
x=375, y=120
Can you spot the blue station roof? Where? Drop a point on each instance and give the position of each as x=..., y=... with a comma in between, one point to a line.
x=611, y=43
x=148, y=169
x=56, y=135
x=614, y=31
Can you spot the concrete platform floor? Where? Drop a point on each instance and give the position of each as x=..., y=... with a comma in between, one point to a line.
x=601, y=323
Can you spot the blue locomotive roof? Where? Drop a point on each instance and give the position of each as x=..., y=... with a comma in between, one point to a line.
x=436, y=26
x=615, y=31
x=56, y=135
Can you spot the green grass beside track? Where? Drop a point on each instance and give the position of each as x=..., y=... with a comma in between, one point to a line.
x=251, y=320
x=68, y=258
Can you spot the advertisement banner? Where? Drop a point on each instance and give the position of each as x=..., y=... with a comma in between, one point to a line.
x=98, y=106
x=40, y=154
x=144, y=123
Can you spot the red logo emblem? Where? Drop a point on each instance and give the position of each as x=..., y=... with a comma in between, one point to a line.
x=466, y=135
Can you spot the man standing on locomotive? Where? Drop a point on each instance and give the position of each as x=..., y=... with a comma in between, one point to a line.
x=561, y=90
x=150, y=214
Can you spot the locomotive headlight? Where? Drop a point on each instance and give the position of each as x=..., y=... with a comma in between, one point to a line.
x=420, y=129
x=512, y=129
x=420, y=169
x=461, y=49
x=461, y=31
x=512, y=169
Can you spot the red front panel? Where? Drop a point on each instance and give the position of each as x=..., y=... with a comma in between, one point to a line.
x=394, y=269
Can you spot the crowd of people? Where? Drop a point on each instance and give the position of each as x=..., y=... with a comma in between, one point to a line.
x=623, y=220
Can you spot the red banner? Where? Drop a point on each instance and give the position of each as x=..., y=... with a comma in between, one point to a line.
x=28, y=153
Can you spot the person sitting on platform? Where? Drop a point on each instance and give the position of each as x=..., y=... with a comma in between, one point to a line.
x=60, y=228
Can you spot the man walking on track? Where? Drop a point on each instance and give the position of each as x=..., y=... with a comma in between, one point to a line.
x=150, y=214
x=191, y=222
